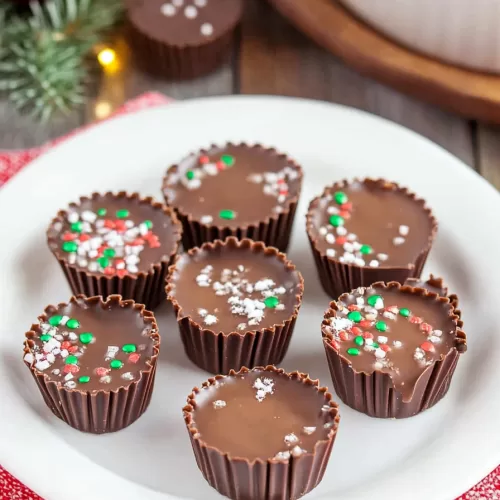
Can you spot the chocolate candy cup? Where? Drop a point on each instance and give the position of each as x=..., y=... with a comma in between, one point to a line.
x=146, y=286
x=337, y=277
x=275, y=478
x=97, y=411
x=220, y=351
x=375, y=393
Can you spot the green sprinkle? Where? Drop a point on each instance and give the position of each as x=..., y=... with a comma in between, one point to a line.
x=227, y=214
x=76, y=227
x=73, y=323
x=116, y=364
x=122, y=214
x=353, y=351
x=227, y=160
x=373, y=300
x=109, y=252
x=359, y=340
x=189, y=175
x=366, y=249
x=55, y=320
x=381, y=326
x=148, y=224
x=336, y=220
x=45, y=338
x=271, y=302
x=404, y=312
x=101, y=212
x=85, y=379
x=375, y=344
x=103, y=261
x=340, y=197
x=69, y=247
x=355, y=316
x=128, y=348
x=86, y=338
x=71, y=360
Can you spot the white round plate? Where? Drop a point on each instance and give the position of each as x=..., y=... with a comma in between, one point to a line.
x=437, y=455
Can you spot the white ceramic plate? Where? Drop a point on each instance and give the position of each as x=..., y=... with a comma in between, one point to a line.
x=436, y=455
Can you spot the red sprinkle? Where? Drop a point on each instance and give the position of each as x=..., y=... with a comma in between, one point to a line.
x=72, y=349
x=343, y=335
x=281, y=181
x=109, y=224
x=69, y=236
x=425, y=327
x=71, y=369
x=134, y=357
x=385, y=347
x=367, y=335
x=416, y=320
x=65, y=344
x=346, y=206
x=427, y=346
x=137, y=242
x=84, y=237
x=341, y=240
x=356, y=331
x=154, y=244
x=392, y=309
x=283, y=191
x=220, y=165
x=345, y=214
x=335, y=345
x=353, y=307
x=101, y=371
x=365, y=323
x=204, y=159
x=120, y=226
x=110, y=271
x=121, y=273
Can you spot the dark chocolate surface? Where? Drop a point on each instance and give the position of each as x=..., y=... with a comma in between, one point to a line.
x=116, y=242
x=226, y=289
x=400, y=334
x=262, y=414
x=118, y=349
x=374, y=224
x=238, y=186
x=184, y=22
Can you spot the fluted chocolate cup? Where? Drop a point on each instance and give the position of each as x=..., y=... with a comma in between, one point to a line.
x=287, y=475
x=94, y=410
x=218, y=350
x=338, y=275
x=250, y=191
x=374, y=391
x=158, y=234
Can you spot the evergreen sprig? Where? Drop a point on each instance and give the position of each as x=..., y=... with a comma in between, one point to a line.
x=42, y=56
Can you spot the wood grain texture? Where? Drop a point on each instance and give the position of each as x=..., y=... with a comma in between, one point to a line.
x=276, y=59
x=474, y=95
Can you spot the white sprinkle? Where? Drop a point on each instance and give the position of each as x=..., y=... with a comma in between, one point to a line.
x=297, y=451
x=70, y=385
x=341, y=231
x=72, y=336
x=72, y=258
x=68, y=376
x=291, y=439
x=397, y=343
x=210, y=319
x=380, y=354
x=348, y=247
x=378, y=365
x=206, y=219
x=326, y=408
x=418, y=354
x=200, y=3
x=206, y=29
x=264, y=387
x=332, y=210
x=132, y=259
x=280, y=307
x=29, y=358
x=193, y=184
x=190, y=12
x=178, y=3
x=398, y=240
x=434, y=339
x=73, y=217
x=339, y=324
x=328, y=425
x=374, y=263
x=437, y=333
x=282, y=455
x=111, y=351
x=404, y=230
x=308, y=430
x=64, y=320
x=330, y=238
x=105, y=380
x=241, y=326
x=168, y=10
x=351, y=237
x=219, y=404
x=368, y=342
x=64, y=353
x=51, y=344
x=382, y=256
x=323, y=231
x=330, y=252
x=202, y=312
x=360, y=301
x=56, y=371
x=382, y=339
x=89, y=216
x=132, y=269
x=128, y=376
x=93, y=266
x=359, y=262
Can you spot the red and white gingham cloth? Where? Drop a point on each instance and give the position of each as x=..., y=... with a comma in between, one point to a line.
x=12, y=162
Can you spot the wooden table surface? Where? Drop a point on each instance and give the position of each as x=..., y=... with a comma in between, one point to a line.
x=271, y=57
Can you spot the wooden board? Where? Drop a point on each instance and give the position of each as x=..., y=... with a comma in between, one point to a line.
x=471, y=94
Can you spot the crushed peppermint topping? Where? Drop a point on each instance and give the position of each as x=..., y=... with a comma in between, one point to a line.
x=291, y=439
x=308, y=430
x=264, y=387
x=219, y=404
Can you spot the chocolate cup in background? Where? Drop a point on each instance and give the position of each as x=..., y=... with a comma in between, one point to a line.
x=337, y=278
x=374, y=393
x=272, y=479
x=143, y=287
x=182, y=61
x=98, y=412
x=274, y=231
x=217, y=352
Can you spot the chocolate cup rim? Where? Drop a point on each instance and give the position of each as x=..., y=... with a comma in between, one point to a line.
x=295, y=375
x=149, y=200
x=185, y=45
x=272, y=217
x=313, y=205
x=252, y=246
x=98, y=301
x=460, y=336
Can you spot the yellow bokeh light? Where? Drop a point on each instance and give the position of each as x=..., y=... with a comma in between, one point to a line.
x=102, y=109
x=106, y=57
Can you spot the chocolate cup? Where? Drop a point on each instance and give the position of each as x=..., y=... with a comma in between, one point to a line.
x=271, y=479
x=183, y=61
x=337, y=278
x=98, y=412
x=374, y=393
x=143, y=287
x=274, y=231
x=221, y=352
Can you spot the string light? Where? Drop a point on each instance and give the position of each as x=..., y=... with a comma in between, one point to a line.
x=106, y=57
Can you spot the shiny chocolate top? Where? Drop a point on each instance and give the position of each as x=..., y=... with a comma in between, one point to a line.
x=396, y=331
x=115, y=235
x=233, y=186
x=184, y=22
x=235, y=287
x=370, y=223
x=92, y=345
x=262, y=415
